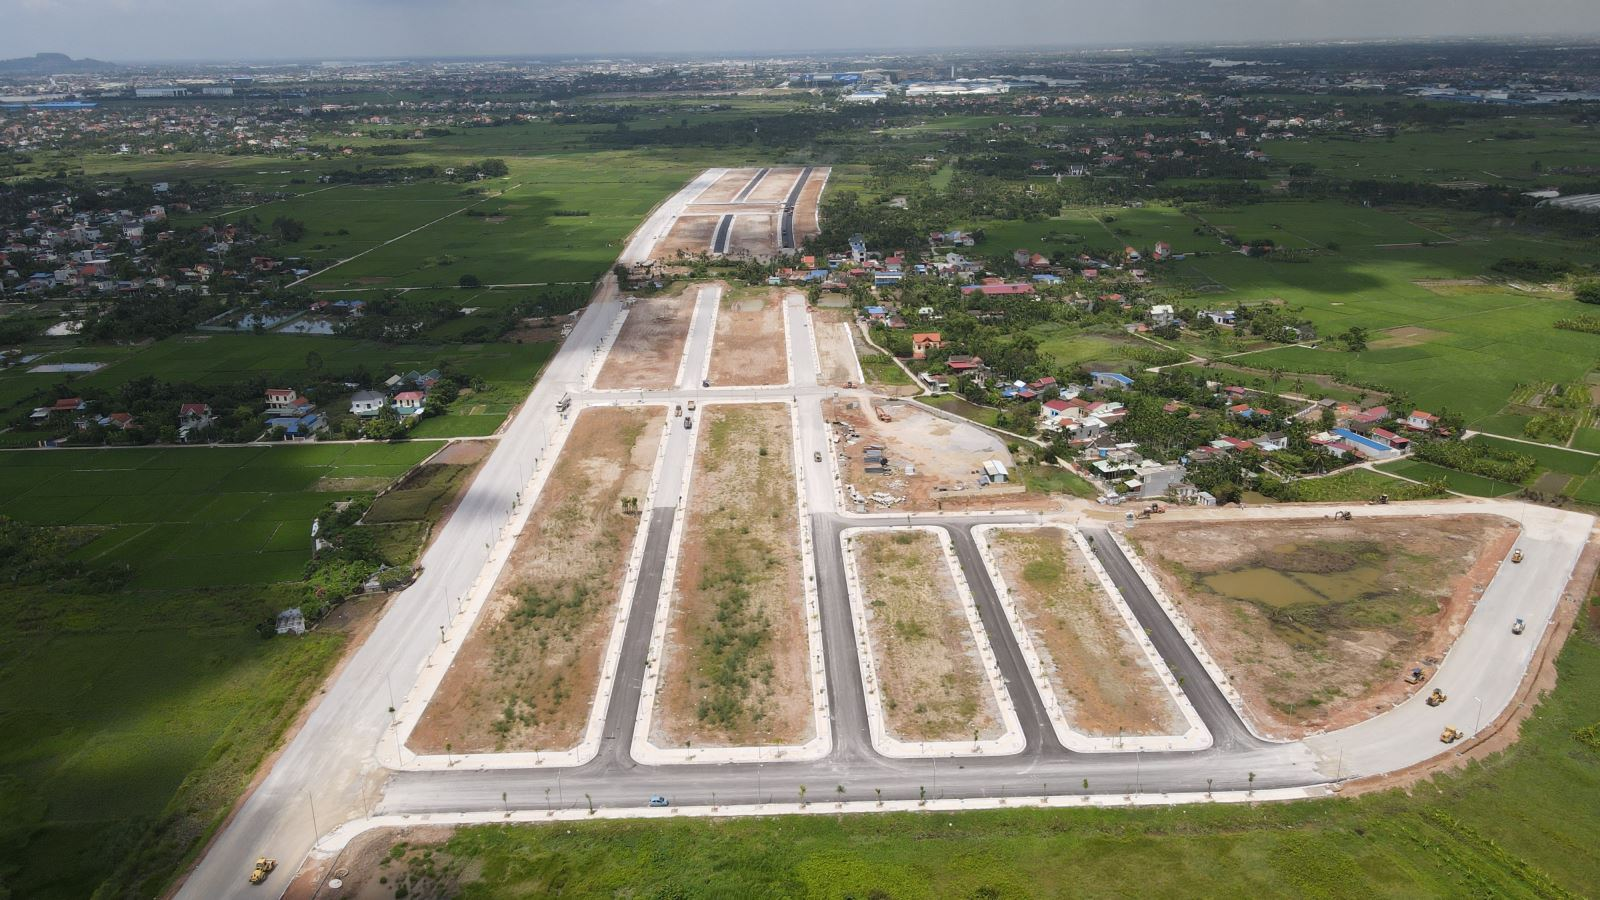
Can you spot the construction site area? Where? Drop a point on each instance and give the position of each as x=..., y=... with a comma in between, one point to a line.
x=734, y=669
x=1104, y=682
x=525, y=679
x=896, y=455
x=1316, y=621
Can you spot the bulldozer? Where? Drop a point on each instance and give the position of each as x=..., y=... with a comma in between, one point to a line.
x=1437, y=697
x=1415, y=676
x=264, y=867
x=1449, y=735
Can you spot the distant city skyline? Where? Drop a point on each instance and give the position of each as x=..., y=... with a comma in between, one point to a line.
x=132, y=31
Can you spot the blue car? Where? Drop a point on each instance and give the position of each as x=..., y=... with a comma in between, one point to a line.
x=658, y=800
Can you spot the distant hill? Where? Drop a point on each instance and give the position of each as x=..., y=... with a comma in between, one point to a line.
x=53, y=64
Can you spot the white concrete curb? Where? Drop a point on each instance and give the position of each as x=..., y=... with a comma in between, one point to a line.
x=1011, y=739
x=1181, y=622
x=1197, y=737
x=340, y=837
x=643, y=749
x=855, y=358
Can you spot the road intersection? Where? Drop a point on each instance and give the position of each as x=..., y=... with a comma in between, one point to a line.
x=331, y=777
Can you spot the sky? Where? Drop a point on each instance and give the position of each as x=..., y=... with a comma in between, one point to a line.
x=247, y=30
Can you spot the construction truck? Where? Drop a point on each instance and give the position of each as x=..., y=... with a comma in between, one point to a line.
x=1437, y=697
x=1516, y=555
x=1416, y=676
x=691, y=406
x=1449, y=735
x=564, y=404
x=263, y=868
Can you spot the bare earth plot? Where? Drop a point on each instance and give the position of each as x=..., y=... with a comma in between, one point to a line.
x=690, y=235
x=1316, y=621
x=749, y=348
x=1100, y=674
x=648, y=350
x=753, y=235
x=805, y=212
x=931, y=681
x=735, y=672
x=775, y=187
x=724, y=189
x=945, y=457
x=835, y=349
x=526, y=676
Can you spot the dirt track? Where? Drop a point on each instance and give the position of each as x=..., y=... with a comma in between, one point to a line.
x=1100, y=675
x=1346, y=607
x=749, y=347
x=930, y=680
x=735, y=672
x=526, y=676
x=649, y=348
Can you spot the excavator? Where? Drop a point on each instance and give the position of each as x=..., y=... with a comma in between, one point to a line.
x=264, y=867
x=1437, y=697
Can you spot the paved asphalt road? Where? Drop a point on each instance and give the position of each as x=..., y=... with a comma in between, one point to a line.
x=786, y=224
x=331, y=762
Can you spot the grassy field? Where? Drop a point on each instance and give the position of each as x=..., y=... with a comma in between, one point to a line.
x=1055, y=480
x=1460, y=482
x=1516, y=825
x=135, y=714
x=197, y=517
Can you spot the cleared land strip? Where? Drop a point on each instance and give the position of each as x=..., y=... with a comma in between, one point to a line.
x=1315, y=621
x=836, y=351
x=749, y=349
x=527, y=675
x=645, y=354
x=735, y=671
x=927, y=650
x=1099, y=675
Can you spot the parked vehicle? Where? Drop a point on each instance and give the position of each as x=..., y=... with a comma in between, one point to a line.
x=816, y=455
x=1517, y=627
x=688, y=423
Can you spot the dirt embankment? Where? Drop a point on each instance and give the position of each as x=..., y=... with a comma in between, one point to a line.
x=930, y=679
x=1316, y=621
x=1100, y=675
x=749, y=348
x=526, y=676
x=735, y=672
x=649, y=349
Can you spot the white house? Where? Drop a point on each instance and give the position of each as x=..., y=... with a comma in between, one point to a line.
x=367, y=403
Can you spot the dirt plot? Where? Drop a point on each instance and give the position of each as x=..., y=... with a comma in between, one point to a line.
x=1316, y=621
x=835, y=348
x=944, y=457
x=690, y=235
x=775, y=187
x=930, y=679
x=649, y=349
x=1101, y=676
x=805, y=212
x=753, y=235
x=526, y=676
x=735, y=672
x=749, y=348
x=724, y=189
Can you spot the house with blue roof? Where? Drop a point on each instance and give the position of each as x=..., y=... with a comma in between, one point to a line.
x=1111, y=380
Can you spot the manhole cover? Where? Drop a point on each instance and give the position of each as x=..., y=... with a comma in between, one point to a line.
x=335, y=883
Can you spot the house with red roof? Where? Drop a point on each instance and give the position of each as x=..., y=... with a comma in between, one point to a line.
x=922, y=342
